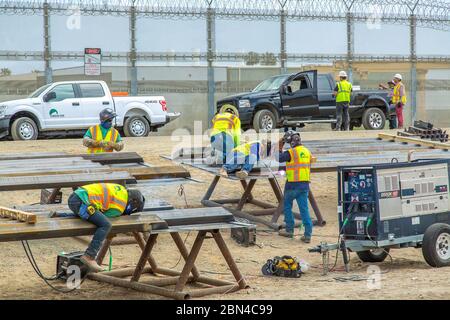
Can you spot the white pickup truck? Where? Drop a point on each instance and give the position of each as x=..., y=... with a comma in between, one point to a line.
x=73, y=106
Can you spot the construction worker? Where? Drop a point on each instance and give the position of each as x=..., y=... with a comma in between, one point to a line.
x=343, y=94
x=390, y=87
x=103, y=137
x=225, y=136
x=399, y=98
x=96, y=203
x=298, y=168
x=244, y=157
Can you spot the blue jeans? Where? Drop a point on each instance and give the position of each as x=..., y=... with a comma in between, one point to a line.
x=301, y=196
x=238, y=161
x=222, y=144
x=99, y=219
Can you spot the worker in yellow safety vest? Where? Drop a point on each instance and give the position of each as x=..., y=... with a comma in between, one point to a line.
x=298, y=174
x=96, y=203
x=103, y=137
x=343, y=94
x=225, y=135
x=244, y=157
x=399, y=99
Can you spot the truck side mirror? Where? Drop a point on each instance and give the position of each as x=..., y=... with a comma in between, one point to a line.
x=49, y=96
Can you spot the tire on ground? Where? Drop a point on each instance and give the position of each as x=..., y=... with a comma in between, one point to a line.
x=377, y=255
x=436, y=245
x=374, y=119
x=264, y=121
x=136, y=126
x=24, y=128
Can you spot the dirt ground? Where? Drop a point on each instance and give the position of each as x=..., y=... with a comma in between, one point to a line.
x=406, y=277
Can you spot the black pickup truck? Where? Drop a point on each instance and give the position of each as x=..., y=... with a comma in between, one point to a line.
x=306, y=97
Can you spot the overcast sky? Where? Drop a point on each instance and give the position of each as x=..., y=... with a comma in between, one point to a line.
x=23, y=33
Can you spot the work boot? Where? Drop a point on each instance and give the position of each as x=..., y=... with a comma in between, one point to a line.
x=305, y=239
x=285, y=233
x=91, y=263
x=223, y=172
x=52, y=214
x=242, y=174
x=210, y=160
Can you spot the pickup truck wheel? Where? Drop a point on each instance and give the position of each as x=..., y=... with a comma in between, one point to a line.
x=136, y=126
x=374, y=119
x=24, y=128
x=264, y=121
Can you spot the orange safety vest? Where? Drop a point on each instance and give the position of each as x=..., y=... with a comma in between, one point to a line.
x=298, y=169
x=224, y=121
x=396, y=98
x=105, y=196
x=96, y=134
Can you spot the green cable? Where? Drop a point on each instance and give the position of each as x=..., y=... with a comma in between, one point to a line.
x=110, y=260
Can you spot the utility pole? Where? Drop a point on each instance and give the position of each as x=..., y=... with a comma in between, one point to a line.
x=350, y=38
x=413, y=58
x=211, y=47
x=132, y=54
x=47, y=42
x=283, y=51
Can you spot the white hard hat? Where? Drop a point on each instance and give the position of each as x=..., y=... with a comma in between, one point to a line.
x=343, y=74
x=398, y=76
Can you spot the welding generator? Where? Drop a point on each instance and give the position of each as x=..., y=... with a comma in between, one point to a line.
x=394, y=205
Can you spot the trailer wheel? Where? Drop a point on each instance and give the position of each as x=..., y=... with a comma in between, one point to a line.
x=375, y=255
x=436, y=245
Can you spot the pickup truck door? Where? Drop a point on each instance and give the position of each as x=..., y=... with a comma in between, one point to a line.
x=63, y=110
x=93, y=98
x=327, y=102
x=299, y=96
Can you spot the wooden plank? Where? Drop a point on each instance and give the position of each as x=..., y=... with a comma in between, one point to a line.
x=61, y=228
x=433, y=144
x=18, y=215
x=139, y=173
x=60, y=181
x=114, y=157
x=103, y=158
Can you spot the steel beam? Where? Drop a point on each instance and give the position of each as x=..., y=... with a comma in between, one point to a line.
x=412, y=43
x=283, y=50
x=350, y=45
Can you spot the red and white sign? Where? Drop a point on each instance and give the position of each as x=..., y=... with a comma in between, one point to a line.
x=92, y=61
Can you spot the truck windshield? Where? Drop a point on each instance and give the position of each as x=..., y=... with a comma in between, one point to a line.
x=271, y=84
x=36, y=93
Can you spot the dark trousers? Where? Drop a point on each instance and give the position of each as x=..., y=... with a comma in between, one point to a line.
x=98, y=219
x=342, y=115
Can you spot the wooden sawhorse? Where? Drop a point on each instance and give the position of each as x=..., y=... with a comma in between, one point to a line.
x=190, y=274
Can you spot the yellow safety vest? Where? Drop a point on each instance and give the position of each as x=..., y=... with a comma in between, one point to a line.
x=105, y=196
x=245, y=148
x=299, y=167
x=396, y=98
x=96, y=134
x=344, y=91
x=224, y=122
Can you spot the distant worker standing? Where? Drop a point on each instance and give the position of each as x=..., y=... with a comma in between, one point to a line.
x=343, y=94
x=225, y=135
x=298, y=168
x=399, y=99
x=103, y=137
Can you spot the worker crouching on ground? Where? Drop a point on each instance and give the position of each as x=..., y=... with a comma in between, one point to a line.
x=343, y=94
x=225, y=136
x=399, y=99
x=298, y=168
x=244, y=157
x=103, y=137
x=98, y=202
